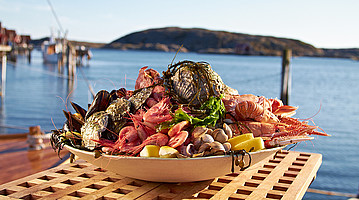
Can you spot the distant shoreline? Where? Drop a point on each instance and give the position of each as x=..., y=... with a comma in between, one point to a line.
x=170, y=39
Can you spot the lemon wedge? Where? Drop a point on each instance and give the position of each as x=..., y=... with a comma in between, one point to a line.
x=150, y=151
x=240, y=138
x=168, y=152
x=255, y=143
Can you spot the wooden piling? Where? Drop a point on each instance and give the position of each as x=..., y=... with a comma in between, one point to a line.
x=3, y=51
x=59, y=66
x=3, y=74
x=29, y=55
x=286, y=76
x=71, y=63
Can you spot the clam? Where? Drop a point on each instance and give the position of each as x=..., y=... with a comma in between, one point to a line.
x=210, y=149
x=204, y=147
x=205, y=138
x=227, y=130
x=227, y=146
x=219, y=135
x=217, y=148
x=209, y=131
x=188, y=151
x=199, y=131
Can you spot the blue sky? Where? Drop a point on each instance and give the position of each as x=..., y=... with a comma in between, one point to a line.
x=324, y=24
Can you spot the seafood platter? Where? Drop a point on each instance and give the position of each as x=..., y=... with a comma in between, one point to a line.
x=184, y=125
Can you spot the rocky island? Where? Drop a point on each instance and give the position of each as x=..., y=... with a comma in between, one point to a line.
x=221, y=42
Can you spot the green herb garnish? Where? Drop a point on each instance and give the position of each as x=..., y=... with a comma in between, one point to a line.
x=213, y=107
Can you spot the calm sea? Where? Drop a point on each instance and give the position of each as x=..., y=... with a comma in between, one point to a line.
x=324, y=89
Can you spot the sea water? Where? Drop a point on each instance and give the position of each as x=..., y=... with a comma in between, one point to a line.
x=325, y=90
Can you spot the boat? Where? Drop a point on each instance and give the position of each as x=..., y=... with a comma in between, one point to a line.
x=51, y=50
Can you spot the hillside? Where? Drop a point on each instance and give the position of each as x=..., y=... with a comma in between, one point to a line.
x=208, y=41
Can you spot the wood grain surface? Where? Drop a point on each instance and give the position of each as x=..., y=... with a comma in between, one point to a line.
x=287, y=176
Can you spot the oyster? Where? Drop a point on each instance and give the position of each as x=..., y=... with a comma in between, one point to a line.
x=92, y=129
x=140, y=96
x=117, y=110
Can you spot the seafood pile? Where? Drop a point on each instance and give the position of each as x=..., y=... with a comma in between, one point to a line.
x=188, y=108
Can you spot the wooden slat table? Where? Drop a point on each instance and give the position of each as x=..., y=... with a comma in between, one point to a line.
x=287, y=176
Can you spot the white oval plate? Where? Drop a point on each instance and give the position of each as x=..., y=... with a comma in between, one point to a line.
x=169, y=169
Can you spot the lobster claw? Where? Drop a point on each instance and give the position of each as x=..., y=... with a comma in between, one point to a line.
x=285, y=110
x=100, y=103
x=79, y=109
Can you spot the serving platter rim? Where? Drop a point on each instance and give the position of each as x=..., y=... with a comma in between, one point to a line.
x=159, y=158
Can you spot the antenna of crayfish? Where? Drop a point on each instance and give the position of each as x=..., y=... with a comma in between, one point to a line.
x=311, y=118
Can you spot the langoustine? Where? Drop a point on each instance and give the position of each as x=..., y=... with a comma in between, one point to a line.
x=269, y=119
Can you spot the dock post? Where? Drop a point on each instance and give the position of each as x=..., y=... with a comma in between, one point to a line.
x=59, y=66
x=69, y=57
x=3, y=51
x=3, y=74
x=29, y=55
x=286, y=76
x=71, y=61
x=74, y=63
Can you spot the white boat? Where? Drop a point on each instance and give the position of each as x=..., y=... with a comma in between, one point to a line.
x=51, y=50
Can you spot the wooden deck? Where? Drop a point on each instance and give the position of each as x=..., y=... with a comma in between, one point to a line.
x=286, y=177
x=18, y=161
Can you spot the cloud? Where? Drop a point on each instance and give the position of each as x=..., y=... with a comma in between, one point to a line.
x=22, y=6
x=42, y=7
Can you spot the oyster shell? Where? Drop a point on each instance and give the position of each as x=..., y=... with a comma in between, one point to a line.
x=92, y=129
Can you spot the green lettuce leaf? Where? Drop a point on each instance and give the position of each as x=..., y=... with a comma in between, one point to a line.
x=213, y=107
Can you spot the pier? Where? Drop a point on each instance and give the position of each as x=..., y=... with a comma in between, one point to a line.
x=20, y=44
x=12, y=45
